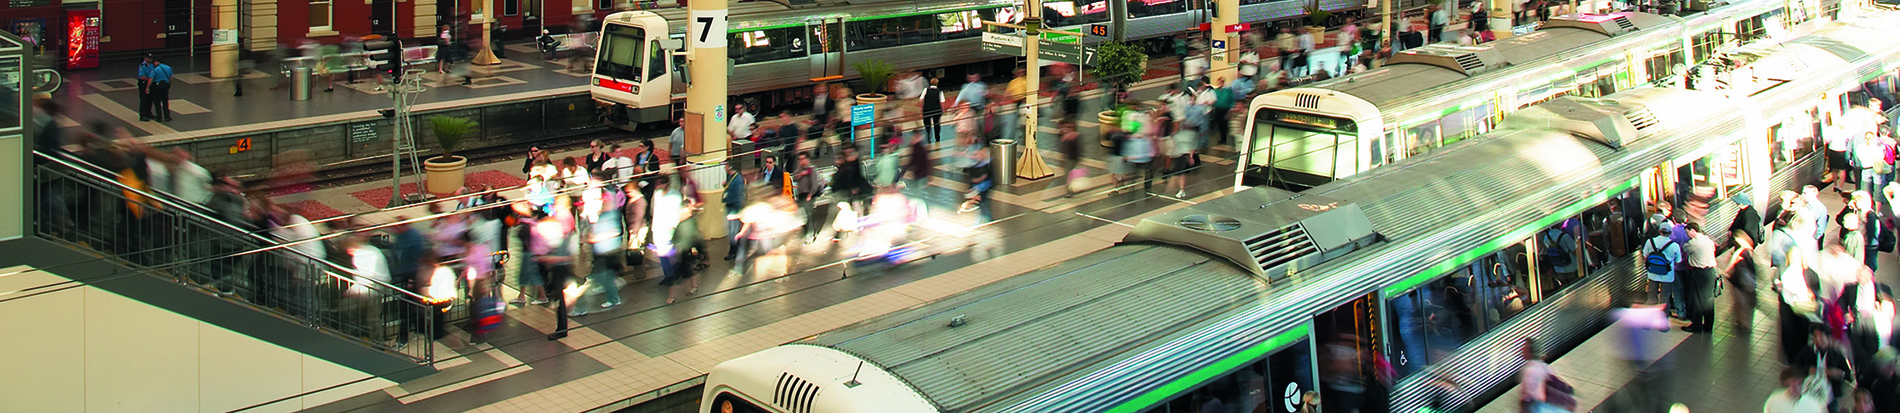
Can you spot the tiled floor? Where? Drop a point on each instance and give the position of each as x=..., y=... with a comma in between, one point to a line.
x=1733, y=369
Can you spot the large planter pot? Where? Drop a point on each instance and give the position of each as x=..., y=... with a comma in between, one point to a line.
x=445, y=174
x=1107, y=117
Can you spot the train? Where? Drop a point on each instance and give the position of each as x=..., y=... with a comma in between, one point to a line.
x=1436, y=265
x=1430, y=97
x=778, y=55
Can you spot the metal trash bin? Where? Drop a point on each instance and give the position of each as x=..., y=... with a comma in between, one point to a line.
x=301, y=80
x=1003, y=159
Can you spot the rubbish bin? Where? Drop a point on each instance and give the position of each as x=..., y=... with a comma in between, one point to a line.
x=300, y=82
x=1003, y=159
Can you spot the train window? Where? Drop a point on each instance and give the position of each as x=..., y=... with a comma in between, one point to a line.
x=1431, y=321
x=1558, y=257
x=1421, y=138
x=1792, y=141
x=620, y=53
x=656, y=60
x=1510, y=291
x=1150, y=8
x=510, y=7
x=729, y=403
x=1266, y=385
x=767, y=45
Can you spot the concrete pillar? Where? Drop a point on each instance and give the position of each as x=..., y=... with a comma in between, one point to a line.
x=1030, y=164
x=706, y=97
x=224, y=56
x=1221, y=65
x=424, y=25
x=583, y=7
x=1386, y=33
x=482, y=19
x=1501, y=18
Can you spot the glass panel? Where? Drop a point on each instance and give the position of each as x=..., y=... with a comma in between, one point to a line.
x=510, y=7
x=1557, y=258
x=1433, y=320
x=1410, y=347
x=319, y=14
x=1303, y=151
x=1509, y=292
x=1148, y=8
x=12, y=83
x=1290, y=371
x=620, y=52
x=656, y=60
x=1421, y=138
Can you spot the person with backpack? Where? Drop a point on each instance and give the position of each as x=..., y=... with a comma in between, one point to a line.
x=1559, y=252
x=1660, y=256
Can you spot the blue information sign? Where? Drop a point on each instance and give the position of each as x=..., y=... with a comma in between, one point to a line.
x=861, y=114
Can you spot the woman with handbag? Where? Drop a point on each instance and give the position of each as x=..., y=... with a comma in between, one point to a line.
x=1539, y=388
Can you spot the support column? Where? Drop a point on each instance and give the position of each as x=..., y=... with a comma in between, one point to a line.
x=1030, y=164
x=1501, y=18
x=706, y=104
x=1221, y=62
x=224, y=56
x=482, y=19
x=1386, y=31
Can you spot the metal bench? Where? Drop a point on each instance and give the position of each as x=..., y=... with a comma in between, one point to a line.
x=418, y=55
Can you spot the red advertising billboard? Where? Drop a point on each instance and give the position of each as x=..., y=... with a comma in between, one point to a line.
x=82, y=39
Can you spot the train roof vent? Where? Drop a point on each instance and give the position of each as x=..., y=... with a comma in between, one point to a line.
x=1281, y=246
x=1641, y=118
x=1624, y=22
x=1306, y=100
x=794, y=394
x=1593, y=119
x=1467, y=60
x=1268, y=231
x=1613, y=24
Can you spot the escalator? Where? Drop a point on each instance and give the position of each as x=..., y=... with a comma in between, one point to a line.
x=91, y=228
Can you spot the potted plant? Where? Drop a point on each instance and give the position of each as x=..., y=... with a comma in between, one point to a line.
x=877, y=74
x=445, y=170
x=1316, y=16
x=1116, y=65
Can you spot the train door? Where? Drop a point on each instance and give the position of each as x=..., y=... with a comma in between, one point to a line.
x=382, y=16
x=1659, y=185
x=826, y=37
x=531, y=19
x=177, y=24
x=1350, y=357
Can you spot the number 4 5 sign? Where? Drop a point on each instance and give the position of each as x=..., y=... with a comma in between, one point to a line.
x=707, y=28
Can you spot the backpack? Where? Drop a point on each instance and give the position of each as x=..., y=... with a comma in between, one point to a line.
x=1554, y=255
x=1657, y=263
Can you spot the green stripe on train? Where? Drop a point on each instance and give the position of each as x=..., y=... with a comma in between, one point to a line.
x=1447, y=266
x=1224, y=366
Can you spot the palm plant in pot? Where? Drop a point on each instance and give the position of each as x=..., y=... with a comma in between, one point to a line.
x=1117, y=65
x=877, y=74
x=446, y=170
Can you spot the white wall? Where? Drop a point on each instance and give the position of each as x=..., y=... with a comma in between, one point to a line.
x=85, y=349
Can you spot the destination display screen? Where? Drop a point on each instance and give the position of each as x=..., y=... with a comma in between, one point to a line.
x=1322, y=122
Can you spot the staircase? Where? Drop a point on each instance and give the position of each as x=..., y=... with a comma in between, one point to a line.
x=158, y=249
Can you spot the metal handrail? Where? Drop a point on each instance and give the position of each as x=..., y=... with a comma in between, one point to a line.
x=171, y=201
x=291, y=284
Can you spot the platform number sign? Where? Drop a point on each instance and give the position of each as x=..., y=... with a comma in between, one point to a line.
x=1088, y=56
x=707, y=28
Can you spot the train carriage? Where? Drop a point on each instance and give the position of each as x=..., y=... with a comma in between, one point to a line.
x=1432, y=96
x=1439, y=264
x=778, y=54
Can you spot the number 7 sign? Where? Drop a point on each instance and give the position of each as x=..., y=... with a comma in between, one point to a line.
x=707, y=28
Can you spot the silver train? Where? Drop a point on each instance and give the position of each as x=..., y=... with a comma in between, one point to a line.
x=1438, y=264
x=1434, y=96
x=785, y=52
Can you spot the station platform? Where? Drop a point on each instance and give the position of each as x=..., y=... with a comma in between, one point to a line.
x=646, y=348
x=204, y=106
x=1733, y=369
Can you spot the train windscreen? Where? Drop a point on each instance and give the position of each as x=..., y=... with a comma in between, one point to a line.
x=620, y=52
